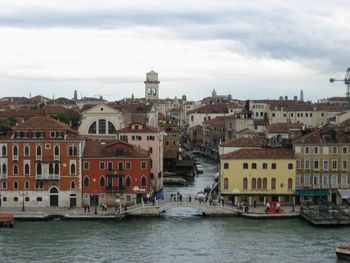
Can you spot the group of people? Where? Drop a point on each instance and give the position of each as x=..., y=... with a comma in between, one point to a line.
x=176, y=197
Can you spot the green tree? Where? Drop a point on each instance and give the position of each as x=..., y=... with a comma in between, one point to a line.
x=70, y=117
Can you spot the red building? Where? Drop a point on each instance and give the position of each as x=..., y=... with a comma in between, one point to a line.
x=40, y=165
x=114, y=172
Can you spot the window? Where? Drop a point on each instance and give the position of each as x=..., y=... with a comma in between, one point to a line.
x=264, y=166
x=72, y=169
x=334, y=150
x=143, y=181
x=4, y=169
x=344, y=164
x=315, y=150
x=15, y=185
x=15, y=150
x=325, y=149
x=307, y=164
x=334, y=180
x=4, y=152
x=253, y=183
x=143, y=165
x=39, y=199
x=290, y=183
x=225, y=183
x=26, y=150
x=273, y=166
x=4, y=185
x=298, y=164
x=102, y=165
x=344, y=180
x=26, y=185
x=102, y=126
x=253, y=165
x=325, y=180
x=15, y=169
x=26, y=169
x=325, y=165
x=120, y=166
x=345, y=150
x=38, y=169
x=307, y=180
x=86, y=181
x=316, y=164
x=245, y=183
x=128, y=165
x=290, y=166
x=128, y=181
x=273, y=183
x=27, y=199
x=57, y=168
x=52, y=134
x=86, y=165
x=245, y=166
x=92, y=128
x=15, y=199
x=316, y=180
x=307, y=149
x=110, y=166
x=334, y=164
x=57, y=150
x=39, y=185
x=259, y=183
x=226, y=166
x=50, y=168
x=264, y=183
x=102, y=181
x=297, y=149
x=111, y=128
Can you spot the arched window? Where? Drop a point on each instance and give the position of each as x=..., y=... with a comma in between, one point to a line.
x=72, y=185
x=265, y=183
x=75, y=150
x=273, y=183
x=245, y=166
x=92, y=128
x=86, y=181
x=57, y=168
x=245, y=183
x=26, y=150
x=290, y=183
x=57, y=150
x=102, y=181
x=143, y=181
x=4, y=152
x=225, y=183
x=111, y=128
x=70, y=150
x=38, y=150
x=102, y=126
x=4, y=169
x=50, y=168
x=15, y=150
x=128, y=181
x=26, y=185
x=15, y=169
x=38, y=168
x=259, y=183
x=72, y=169
x=15, y=185
x=4, y=185
x=253, y=183
x=26, y=169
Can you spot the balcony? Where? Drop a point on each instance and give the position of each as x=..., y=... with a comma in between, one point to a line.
x=111, y=172
x=47, y=177
x=15, y=157
x=3, y=176
x=56, y=158
x=115, y=189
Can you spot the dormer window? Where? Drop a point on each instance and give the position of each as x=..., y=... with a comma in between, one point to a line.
x=52, y=134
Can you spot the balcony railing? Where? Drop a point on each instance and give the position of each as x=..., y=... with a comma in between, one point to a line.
x=3, y=176
x=47, y=176
x=115, y=189
x=115, y=172
x=15, y=157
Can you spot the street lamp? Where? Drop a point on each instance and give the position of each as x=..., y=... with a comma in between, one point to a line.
x=95, y=197
x=23, y=194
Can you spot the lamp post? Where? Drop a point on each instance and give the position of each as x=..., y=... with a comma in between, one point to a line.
x=23, y=194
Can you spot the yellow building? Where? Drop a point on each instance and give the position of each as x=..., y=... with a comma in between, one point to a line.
x=258, y=175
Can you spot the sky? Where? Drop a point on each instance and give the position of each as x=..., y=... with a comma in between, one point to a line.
x=250, y=49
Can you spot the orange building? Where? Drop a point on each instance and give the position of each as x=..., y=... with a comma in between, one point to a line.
x=40, y=165
x=114, y=173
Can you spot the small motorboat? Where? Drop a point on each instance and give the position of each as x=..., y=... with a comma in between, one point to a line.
x=343, y=251
x=6, y=220
x=199, y=168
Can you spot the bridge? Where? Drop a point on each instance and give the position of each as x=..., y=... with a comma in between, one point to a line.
x=159, y=207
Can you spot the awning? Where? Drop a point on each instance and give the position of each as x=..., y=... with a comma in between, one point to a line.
x=311, y=192
x=345, y=193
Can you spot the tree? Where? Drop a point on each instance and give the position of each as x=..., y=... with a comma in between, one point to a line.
x=70, y=117
x=9, y=121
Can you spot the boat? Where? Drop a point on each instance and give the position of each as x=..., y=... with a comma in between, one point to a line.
x=199, y=168
x=343, y=251
x=6, y=220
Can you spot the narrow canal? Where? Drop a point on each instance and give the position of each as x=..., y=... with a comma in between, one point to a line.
x=181, y=236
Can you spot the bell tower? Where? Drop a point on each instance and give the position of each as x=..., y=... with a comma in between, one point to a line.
x=152, y=86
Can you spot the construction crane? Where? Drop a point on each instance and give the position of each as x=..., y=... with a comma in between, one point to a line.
x=347, y=83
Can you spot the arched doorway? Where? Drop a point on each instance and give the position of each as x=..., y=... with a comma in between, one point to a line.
x=54, y=196
x=73, y=200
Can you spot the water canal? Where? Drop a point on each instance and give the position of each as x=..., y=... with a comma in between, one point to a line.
x=181, y=236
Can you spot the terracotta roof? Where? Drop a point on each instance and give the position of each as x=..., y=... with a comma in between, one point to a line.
x=251, y=141
x=42, y=123
x=21, y=113
x=211, y=108
x=218, y=121
x=55, y=110
x=326, y=134
x=283, y=127
x=98, y=149
x=264, y=153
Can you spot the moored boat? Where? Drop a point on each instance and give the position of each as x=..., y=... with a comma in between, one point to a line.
x=6, y=220
x=199, y=168
x=343, y=251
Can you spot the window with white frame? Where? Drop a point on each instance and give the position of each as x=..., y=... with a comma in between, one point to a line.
x=325, y=149
x=298, y=164
x=307, y=149
x=334, y=164
x=344, y=164
x=316, y=164
x=316, y=179
x=307, y=164
x=307, y=180
x=334, y=150
x=344, y=180
x=334, y=181
x=298, y=180
x=315, y=150
x=325, y=180
x=325, y=165
x=297, y=149
x=345, y=150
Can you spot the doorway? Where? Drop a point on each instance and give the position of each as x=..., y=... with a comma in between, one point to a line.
x=73, y=201
x=54, y=197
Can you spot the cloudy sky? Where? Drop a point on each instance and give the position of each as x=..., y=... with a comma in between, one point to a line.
x=250, y=49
